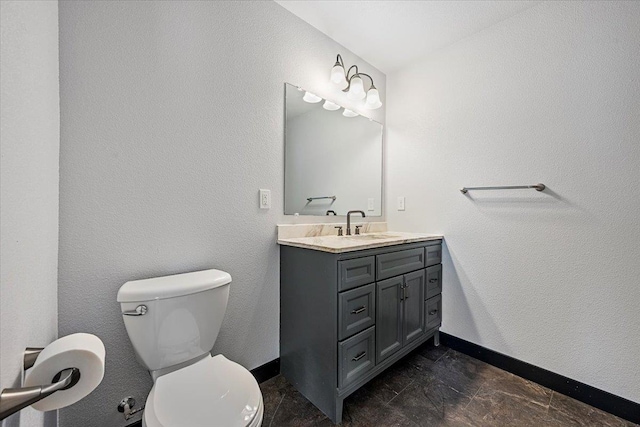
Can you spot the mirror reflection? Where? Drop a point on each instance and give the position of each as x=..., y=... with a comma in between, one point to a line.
x=333, y=158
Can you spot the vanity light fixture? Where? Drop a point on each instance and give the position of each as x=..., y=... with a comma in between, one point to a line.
x=349, y=113
x=311, y=98
x=328, y=105
x=353, y=84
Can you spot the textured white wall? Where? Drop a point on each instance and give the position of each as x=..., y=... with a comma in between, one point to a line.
x=29, y=149
x=551, y=95
x=172, y=119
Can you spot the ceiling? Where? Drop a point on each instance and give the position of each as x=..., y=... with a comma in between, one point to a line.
x=392, y=34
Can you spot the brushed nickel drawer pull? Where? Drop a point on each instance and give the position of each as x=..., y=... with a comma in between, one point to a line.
x=358, y=310
x=360, y=356
x=433, y=312
x=433, y=280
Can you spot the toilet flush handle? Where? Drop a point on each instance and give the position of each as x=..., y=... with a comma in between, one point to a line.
x=140, y=310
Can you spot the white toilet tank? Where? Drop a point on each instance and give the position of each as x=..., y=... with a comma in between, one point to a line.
x=174, y=319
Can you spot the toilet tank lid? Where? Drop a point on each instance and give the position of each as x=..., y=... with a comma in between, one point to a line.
x=172, y=286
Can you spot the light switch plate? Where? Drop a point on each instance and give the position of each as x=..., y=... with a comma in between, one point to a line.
x=265, y=199
x=370, y=203
x=400, y=203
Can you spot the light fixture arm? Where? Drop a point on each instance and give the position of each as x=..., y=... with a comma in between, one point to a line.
x=340, y=62
x=370, y=78
x=346, y=74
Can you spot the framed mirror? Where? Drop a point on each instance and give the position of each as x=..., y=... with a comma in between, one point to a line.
x=333, y=162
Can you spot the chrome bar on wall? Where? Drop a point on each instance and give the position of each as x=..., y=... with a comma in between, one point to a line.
x=13, y=400
x=311, y=199
x=538, y=187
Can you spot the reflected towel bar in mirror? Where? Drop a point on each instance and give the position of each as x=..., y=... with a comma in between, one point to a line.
x=311, y=199
x=538, y=187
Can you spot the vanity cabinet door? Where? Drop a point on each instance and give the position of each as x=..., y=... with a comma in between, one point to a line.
x=414, y=323
x=388, y=317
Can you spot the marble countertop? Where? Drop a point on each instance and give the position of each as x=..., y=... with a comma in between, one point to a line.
x=339, y=244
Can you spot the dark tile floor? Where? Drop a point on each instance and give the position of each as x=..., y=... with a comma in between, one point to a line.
x=437, y=386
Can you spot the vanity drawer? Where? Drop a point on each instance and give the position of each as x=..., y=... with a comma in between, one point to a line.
x=433, y=308
x=356, y=272
x=433, y=255
x=396, y=263
x=434, y=280
x=356, y=356
x=357, y=310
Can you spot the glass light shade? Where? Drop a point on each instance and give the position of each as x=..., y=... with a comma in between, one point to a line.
x=311, y=98
x=373, y=99
x=349, y=113
x=337, y=76
x=328, y=105
x=356, y=91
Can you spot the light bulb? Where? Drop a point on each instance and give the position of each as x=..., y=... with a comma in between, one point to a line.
x=356, y=85
x=328, y=105
x=373, y=99
x=311, y=98
x=337, y=76
x=349, y=113
x=356, y=91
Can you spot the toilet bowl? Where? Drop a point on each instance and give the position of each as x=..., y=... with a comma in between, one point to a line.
x=212, y=392
x=173, y=322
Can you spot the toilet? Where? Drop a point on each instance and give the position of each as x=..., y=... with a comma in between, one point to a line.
x=173, y=322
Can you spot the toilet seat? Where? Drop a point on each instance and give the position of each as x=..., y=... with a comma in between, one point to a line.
x=213, y=392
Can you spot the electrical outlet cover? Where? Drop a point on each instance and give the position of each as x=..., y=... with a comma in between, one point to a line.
x=400, y=203
x=265, y=199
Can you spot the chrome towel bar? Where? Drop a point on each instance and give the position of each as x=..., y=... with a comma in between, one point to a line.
x=538, y=187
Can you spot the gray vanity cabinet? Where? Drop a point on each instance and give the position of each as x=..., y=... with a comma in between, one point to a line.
x=346, y=317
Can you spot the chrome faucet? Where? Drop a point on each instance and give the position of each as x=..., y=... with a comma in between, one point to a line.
x=349, y=220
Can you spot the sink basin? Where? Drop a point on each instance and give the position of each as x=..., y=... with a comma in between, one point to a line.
x=371, y=236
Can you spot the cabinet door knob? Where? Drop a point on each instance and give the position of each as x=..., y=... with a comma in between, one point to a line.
x=358, y=310
x=359, y=356
x=433, y=312
x=433, y=280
